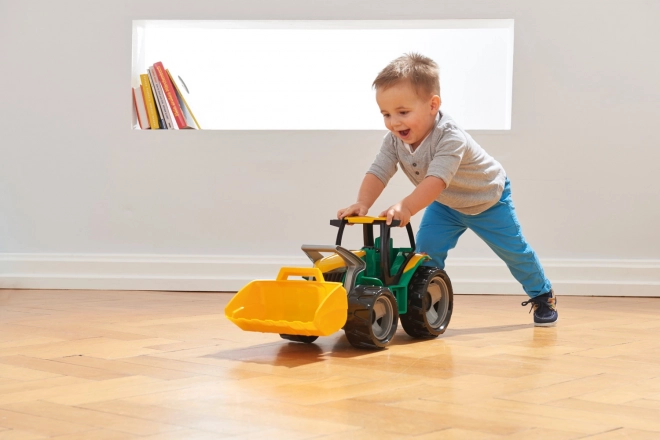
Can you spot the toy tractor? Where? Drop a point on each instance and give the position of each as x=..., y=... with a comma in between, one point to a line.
x=365, y=292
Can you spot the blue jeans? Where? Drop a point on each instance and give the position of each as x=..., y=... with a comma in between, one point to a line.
x=498, y=226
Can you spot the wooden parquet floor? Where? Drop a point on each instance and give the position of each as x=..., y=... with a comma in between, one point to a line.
x=169, y=365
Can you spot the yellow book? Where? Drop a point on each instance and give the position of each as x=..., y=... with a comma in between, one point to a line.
x=149, y=101
x=191, y=121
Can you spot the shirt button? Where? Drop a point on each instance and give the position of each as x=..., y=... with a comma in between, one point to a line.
x=417, y=172
x=414, y=164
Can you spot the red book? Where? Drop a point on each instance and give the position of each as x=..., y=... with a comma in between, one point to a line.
x=170, y=94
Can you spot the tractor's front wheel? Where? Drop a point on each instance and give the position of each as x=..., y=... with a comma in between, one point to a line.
x=372, y=317
x=430, y=303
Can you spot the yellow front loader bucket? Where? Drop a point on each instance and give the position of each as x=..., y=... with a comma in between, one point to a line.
x=294, y=307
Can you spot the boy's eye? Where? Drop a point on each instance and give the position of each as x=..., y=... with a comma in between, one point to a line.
x=386, y=116
x=403, y=113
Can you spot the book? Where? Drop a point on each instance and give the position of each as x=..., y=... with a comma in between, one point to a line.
x=149, y=102
x=190, y=119
x=170, y=94
x=134, y=118
x=140, y=108
x=161, y=118
x=161, y=121
x=160, y=98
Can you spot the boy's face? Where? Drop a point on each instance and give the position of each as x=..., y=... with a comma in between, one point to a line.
x=407, y=115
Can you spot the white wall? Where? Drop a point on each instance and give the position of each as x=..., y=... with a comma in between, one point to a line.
x=87, y=203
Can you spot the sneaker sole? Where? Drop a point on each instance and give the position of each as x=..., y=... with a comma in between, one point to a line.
x=546, y=324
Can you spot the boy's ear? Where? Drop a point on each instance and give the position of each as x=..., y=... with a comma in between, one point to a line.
x=435, y=103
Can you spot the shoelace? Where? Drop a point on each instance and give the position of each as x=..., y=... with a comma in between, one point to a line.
x=532, y=302
x=535, y=302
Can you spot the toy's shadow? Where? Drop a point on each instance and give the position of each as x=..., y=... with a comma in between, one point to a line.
x=283, y=353
x=482, y=330
x=293, y=354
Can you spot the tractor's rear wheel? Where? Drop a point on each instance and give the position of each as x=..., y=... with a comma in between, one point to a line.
x=430, y=303
x=299, y=338
x=372, y=317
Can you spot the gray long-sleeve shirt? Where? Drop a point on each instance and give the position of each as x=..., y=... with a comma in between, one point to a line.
x=474, y=179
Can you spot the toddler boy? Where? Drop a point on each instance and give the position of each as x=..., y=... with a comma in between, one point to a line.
x=458, y=183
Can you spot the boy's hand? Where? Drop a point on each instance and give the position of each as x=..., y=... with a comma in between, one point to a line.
x=357, y=209
x=397, y=212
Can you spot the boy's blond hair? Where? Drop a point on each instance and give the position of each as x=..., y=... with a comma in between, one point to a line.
x=420, y=71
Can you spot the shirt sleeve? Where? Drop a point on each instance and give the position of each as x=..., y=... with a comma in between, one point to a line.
x=385, y=164
x=447, y=157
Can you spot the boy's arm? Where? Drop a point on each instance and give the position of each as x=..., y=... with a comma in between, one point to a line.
x=370, y=189
x=423, y=195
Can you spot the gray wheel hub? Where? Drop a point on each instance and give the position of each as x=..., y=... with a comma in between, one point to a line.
x=382, y=318
x=437, y=297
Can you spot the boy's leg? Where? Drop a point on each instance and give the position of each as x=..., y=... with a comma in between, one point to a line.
x=438, y=233
x=499, y=228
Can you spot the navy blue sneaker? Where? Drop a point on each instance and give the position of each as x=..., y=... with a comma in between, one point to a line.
x=545, y=309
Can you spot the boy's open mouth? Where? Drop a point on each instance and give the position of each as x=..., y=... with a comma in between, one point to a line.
x=404, y=133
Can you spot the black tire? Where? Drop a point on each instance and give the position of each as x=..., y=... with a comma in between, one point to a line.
x=430, y=303
x=299, y=338
x=372, y=317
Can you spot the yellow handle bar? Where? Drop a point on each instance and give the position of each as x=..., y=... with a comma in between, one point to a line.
x=286, y=272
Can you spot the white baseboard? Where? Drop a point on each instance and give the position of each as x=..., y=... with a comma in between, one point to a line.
x=593, y=277
x=230, y=273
